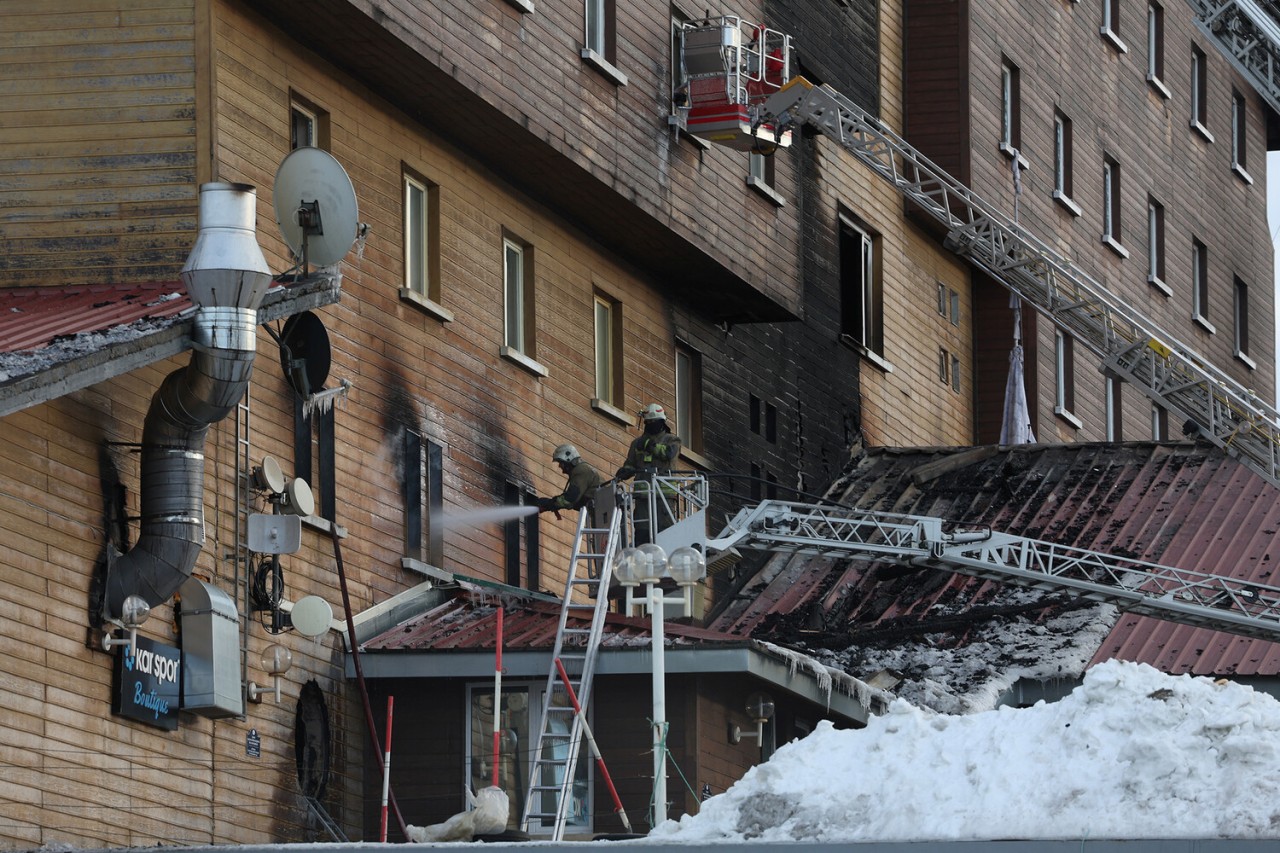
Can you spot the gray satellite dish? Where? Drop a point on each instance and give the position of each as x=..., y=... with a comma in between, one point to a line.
x=311, y=616
x=315, y=206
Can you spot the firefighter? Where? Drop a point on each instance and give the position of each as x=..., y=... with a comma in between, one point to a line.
x=651, y=454
x=579, y=489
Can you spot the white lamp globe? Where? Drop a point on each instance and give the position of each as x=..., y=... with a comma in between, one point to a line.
x=628, y=566
x=655, y=562
x=134, y=610
x=686, y=566
x=276, y=659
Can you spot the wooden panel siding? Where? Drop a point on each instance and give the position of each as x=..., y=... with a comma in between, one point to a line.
x=97, y=149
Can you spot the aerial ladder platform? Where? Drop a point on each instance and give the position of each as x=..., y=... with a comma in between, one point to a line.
x=1129, y=345
x=1249, y=37
x=1187, y=597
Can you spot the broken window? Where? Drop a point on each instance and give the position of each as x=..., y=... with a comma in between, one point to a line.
x=521, y=541
x=423, y=493
x=861, y=297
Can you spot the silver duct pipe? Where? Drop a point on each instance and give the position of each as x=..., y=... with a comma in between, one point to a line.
x=226, y=276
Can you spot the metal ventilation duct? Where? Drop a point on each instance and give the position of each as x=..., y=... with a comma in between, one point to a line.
x=226, y=276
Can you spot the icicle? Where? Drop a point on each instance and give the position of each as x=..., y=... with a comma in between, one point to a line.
x=323, y=401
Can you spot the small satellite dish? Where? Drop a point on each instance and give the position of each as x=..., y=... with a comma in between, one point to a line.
x=297, y=498
x=304, y=353
x=311, y=616
x=269, y=477
x=315, y=206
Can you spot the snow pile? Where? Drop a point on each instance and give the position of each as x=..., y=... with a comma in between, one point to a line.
x=1132, y=753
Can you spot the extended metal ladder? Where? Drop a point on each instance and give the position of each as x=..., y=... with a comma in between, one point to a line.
x=1129, y=345
x=1250, y=39
x=1190, y=598
x=582, y=613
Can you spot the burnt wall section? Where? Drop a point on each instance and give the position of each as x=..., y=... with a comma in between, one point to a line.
x=836, y=43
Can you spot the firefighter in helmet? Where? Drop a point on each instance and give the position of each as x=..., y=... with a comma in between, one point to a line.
x=651, y=454
x=579, y=489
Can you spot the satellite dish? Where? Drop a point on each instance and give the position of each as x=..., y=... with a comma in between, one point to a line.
x=269, y=477
x=304, y=353
x=297, y=498
x=315, y=206
x=311, y=616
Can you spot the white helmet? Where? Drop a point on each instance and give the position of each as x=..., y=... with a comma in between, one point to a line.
x=566, y=453
x=653, y=412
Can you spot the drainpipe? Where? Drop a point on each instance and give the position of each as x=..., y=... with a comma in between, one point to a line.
x=226, y=277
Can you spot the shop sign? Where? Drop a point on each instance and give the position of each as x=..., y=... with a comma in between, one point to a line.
x=148, y=683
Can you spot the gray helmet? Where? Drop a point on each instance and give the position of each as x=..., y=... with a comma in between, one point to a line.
x=566, y=453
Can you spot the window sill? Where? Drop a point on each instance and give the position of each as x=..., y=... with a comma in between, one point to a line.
x=324, y=525
x=1114, y=245
x=1158, y=85
x=1065, y=200
x=1009, y=151
x=1068, y=418
x=612, y=412
x=875, y=358
x=1203, y=322
x=1241, y=173
x=604, y=66
x=425, y=569
x=1110, y=36
x=1158, y=283
x=770, y=194
x=1202, y=130
x=698, y=460
x=428, y=306
x=523, y=361
x=1246, y=361
x=525, y=6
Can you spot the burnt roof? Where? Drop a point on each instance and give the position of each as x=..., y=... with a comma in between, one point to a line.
x=1181, y=504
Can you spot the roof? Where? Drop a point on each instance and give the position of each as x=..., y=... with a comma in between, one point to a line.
x=452, y=633
x=55, y=340
x=1180, y=504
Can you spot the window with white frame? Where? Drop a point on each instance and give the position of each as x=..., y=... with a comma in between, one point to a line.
x=1200, y=285
x=1159, y=423
x=689, y=397
x=1010, y=108
x=1111, y=206
x=608, y=337
x=517, y=274
x=861, y=297
x=599, y=40
x=1155, y=48
x=1200, y=93
x=1063, y=181
x=421, y=240
x=1155, y=245
x=1239, y=126
x=1110, y=29
x=308, y=124
x=1065, y=377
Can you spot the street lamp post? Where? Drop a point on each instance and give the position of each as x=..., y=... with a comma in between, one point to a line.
x=648, y=565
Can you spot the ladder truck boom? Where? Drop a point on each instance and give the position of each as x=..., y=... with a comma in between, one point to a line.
x=1128, y=345
x=1227, y=604
x=1249, y=38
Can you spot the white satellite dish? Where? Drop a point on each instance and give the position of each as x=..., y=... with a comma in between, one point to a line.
x=298, y=499
x=315, y=206
x=311, y=616
x=269, y=477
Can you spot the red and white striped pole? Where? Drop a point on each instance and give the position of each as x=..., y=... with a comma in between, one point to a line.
x=497, y=700
x=595, y=750
x=386, y=770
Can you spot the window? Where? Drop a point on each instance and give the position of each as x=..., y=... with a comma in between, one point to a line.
x=689, y=397
x=1240, y=310
x=314, y=453
x=1113, y=413
x=599, y=40
x=1063, y=188
x=1239, y=115
x=421, y=239
x=1110, y=29
x=955, y=372
x=1200, y=285
x=1199, y=93
x=521, y=540
x=1155, y=246
x=753, y=413
x=1159, y=423
x=949, y=304
x=423, y=488
x=608, y=328
x=517, y=276
x=760, y=177
x=1111, y=206
x=520, y=714
x=944, y=366
x=1010, y=109
x=861, y=298
x=1155, y=48
x=1065, y=373
x=308, y=124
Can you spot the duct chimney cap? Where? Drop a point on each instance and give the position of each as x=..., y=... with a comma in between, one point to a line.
x=226, y=268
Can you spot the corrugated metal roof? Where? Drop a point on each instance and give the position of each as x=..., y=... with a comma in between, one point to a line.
x=34, y=317
x=1180, y=504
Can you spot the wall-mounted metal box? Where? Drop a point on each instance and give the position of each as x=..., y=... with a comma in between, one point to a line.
x=211, y=680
